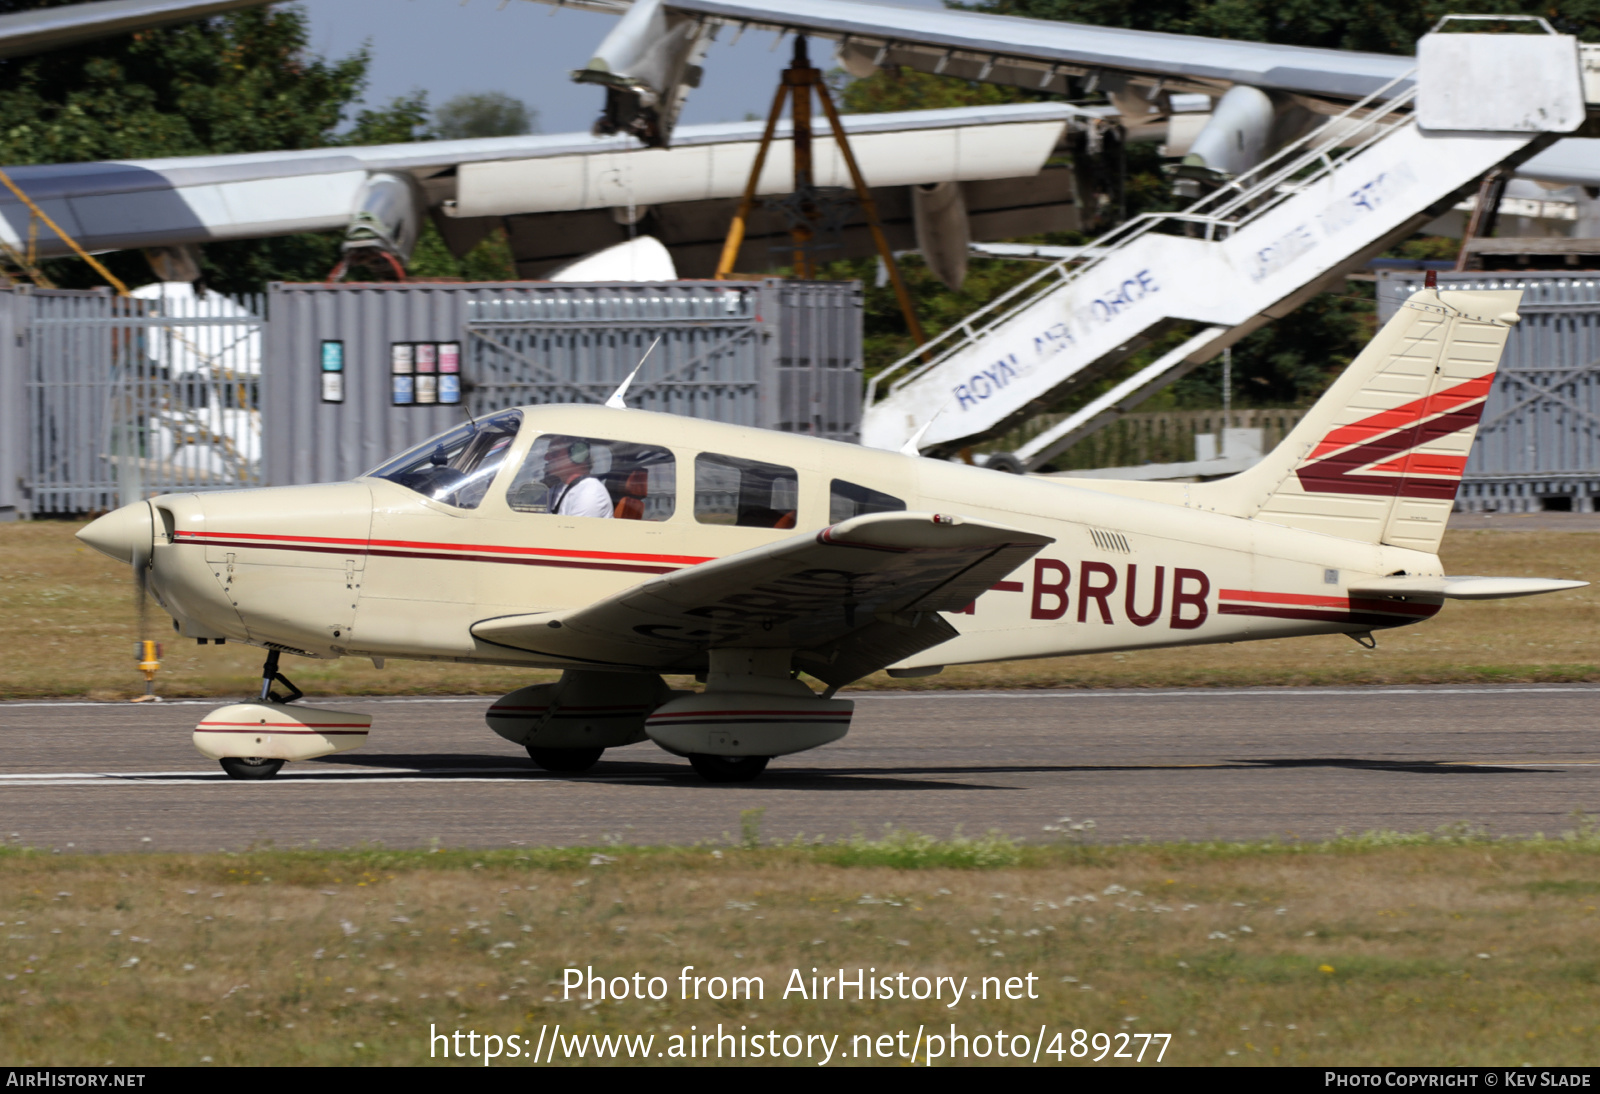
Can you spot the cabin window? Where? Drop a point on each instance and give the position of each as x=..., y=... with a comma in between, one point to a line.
x=591, y=477
x=846, y=500
x=456, y=467
x=748, y=493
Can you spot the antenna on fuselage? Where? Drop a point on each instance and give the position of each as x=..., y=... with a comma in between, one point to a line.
x=615, y=402
x=913, y=447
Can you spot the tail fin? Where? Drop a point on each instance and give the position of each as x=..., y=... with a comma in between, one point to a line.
x=1379, y=458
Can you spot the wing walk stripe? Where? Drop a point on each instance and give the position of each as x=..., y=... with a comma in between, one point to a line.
x=750, y=713
x=795, y=719
x=1401, y=416
x=281, y=725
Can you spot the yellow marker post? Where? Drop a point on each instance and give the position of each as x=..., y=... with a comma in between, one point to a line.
x=148, y=654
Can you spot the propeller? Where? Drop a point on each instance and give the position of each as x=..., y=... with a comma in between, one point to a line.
x=146, y=651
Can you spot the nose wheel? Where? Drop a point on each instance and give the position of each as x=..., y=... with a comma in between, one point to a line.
x=570, y=761
x=250, y=767
x=728, y=769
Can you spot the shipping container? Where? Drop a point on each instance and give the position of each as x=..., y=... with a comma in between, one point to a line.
x=357, y=372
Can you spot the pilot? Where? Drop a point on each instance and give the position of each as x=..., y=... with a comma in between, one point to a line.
x=577, y=492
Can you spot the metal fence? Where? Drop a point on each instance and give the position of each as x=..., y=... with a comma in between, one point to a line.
x=1159, y=436
x=124, y=397
x=770, y=353
x=1538, y=444
x=104, y=399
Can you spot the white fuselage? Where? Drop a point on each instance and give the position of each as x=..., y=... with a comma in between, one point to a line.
x=371, y=568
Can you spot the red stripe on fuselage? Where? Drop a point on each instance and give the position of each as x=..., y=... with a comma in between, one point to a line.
x=1336, y=603
x=275, y=541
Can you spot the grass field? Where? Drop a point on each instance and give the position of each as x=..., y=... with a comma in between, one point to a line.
x=1442, y=950
x=67, y=625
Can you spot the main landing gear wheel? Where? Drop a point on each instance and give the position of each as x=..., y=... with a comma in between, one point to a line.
x=570, y=761
x=251, y=767
x=728, y=769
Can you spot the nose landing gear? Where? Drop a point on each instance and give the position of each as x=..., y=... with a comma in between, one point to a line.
x=252, y=740
x=269, y=676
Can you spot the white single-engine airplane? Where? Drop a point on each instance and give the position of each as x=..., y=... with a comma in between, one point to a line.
x=618, y=545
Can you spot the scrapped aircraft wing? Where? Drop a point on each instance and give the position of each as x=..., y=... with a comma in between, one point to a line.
x=1461, y=588
x=1574, y=161
x=1048, y=48
x=201, y=199
x=26, y=32
x=849, y=600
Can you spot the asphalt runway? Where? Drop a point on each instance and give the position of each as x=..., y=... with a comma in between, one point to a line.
x=1189, y=764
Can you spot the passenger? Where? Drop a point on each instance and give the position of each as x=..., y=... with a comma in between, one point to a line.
x=578, y=493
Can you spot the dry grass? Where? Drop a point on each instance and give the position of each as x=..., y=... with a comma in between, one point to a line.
x=1368, y=951
x=67, y=624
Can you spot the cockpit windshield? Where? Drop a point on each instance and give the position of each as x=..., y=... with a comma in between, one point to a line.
x=456, y=467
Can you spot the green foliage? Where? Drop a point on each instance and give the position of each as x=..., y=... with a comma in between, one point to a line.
x=1288, y=363
x=884, y=334
x=244, y=82
x=238, y=83
x=403, y=121
x=893, y=89
x=485, y=114
x=1360, y=25
x=490, y=260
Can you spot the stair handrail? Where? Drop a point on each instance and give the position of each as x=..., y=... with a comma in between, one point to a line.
x=1266, y=179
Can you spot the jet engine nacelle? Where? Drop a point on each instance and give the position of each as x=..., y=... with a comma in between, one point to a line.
x=944, y=235
x=754, y=723
x=647, y=64
x=581, y=710
x=388, y=215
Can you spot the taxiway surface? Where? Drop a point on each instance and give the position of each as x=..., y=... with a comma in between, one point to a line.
x=1189, y=764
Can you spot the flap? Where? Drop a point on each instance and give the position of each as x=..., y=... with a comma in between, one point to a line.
x=1462, y=588
x=806, y=593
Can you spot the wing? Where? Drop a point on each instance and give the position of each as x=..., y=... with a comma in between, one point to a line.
x=28, y=32
x=849, y=600
x=193, y=199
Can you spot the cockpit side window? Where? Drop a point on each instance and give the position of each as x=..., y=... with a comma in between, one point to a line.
x=456, y=467
x=592, y=477
x=748, y=493
x=846, y=500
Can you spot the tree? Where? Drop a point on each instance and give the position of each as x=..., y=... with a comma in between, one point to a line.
x=1330, y=24
x=485, y=114
x=243, y=82
x=1288, y=363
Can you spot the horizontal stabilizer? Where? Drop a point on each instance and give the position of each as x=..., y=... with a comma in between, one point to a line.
x=1463, y=588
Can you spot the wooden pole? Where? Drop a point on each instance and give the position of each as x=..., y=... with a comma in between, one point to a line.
x=871, y=210
x=735, y=240
x=801, y=77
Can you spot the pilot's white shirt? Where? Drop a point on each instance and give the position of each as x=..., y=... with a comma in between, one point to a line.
x=587, y=497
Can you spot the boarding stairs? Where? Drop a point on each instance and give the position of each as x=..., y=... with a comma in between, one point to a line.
x=1249, y=252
